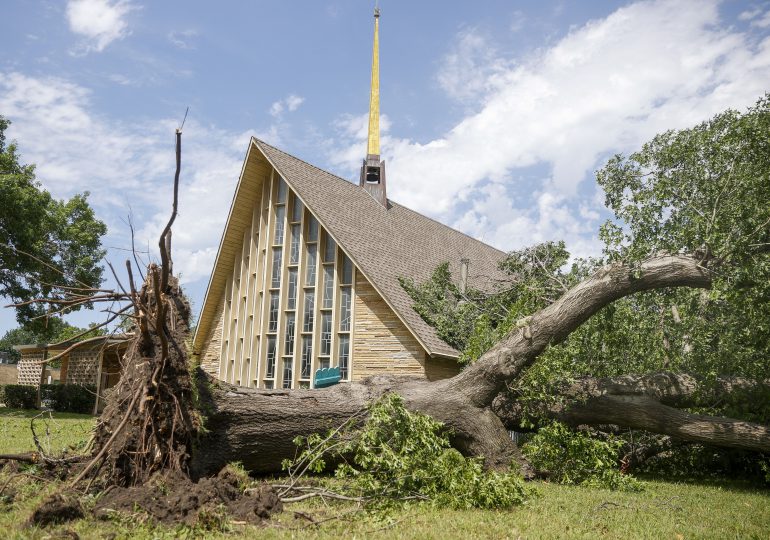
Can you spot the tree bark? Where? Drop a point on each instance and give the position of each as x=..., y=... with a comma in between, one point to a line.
x=647, y=402
x=257, y=427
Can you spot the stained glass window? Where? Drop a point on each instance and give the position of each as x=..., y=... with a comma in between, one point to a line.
x=272, y=324
x=344, y=358
x=294, y=252
x=289, y=338
x=277, y=257
x=328, y=287
x=291, y=300
x=280, y=213
x=287, y=369
x=307, y=357
x=326, y=334
x=270, y=367
x=307, y=325
x=345, y=309
x=310, y=270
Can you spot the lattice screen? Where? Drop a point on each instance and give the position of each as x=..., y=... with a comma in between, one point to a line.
x=83, y=367
x=29, y=369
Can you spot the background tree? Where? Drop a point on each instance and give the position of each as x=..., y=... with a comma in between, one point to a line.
x=702, y=191
x=56, y=331
x=46, y=244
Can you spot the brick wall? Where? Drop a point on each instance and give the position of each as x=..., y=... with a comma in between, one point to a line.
x=381, y=342
x=209, y=354
x=9, y=374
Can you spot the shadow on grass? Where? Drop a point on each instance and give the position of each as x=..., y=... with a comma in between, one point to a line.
x=737, y=485
x=31, y=413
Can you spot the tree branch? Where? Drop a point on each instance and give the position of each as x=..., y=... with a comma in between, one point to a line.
x=482, y=381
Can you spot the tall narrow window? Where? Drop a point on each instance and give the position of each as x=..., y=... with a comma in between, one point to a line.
x=294, y=253
x=280, y=213
x=326, y=334
x=287, y=372
x=344, y=358
x=270, y=368
x=312, y=229
x=281, y=190
x=289, y=339
x=347, y=271
x=272, y=324
x=276, y=279
x=328, y=287
x=296, y=210
x=291, y=296
x=329, y=249
x=307, y=357
x=311, y=258
x=345, y=309
x=307, y=325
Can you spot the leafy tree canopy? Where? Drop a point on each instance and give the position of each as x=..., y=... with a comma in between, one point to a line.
x=57, y=330
x=43, y=241
x=701, y=191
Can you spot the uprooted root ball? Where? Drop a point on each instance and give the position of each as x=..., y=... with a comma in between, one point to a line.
x=174, y=498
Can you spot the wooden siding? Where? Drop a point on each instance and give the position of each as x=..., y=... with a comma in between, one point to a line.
x=381, y=342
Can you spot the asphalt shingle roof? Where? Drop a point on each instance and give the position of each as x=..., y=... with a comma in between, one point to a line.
x=386, y=244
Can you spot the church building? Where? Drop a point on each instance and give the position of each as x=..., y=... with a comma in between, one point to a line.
x=307, y=274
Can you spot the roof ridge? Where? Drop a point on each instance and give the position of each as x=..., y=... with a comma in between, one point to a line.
x=389, y=199
x=305, y=162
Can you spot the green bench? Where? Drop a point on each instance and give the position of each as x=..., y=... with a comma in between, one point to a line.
x=325, y=377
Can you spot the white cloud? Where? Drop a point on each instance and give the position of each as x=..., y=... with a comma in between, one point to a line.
x=518, y=20
x=122, y=80
x=290, y=103
x=763, y=21
x=100, y=22
x=128, y=165
x=469, y=69
x=183, y=39
x=605, y=87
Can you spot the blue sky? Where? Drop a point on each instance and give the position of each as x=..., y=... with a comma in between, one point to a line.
x=495, y=113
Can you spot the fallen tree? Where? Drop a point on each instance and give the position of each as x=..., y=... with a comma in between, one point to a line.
x=651, y=403
x=257, y=427
x=153, y=422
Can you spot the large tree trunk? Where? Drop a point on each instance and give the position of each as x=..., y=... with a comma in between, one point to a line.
x=257, y=427
x=647, y=402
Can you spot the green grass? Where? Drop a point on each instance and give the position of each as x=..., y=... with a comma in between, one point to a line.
x=676, y=510
x=58, y=432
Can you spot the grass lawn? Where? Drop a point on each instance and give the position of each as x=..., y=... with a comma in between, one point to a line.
x=716, y=509
x=56, y=433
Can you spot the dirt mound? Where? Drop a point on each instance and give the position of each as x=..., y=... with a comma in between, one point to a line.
x=56, y=509
x=174, y=498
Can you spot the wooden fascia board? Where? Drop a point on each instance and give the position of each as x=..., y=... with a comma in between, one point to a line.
x=358, y=266
x=213, y=290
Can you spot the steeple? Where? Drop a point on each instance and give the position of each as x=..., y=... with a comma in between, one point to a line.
x=373, y=169
x=373, y=143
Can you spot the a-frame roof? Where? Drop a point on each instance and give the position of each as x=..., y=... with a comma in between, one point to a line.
x=383, y=243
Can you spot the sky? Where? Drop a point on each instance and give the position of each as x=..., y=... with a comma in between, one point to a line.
x=495, y=114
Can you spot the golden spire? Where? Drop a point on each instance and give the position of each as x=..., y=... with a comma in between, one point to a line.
x=373, y=144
